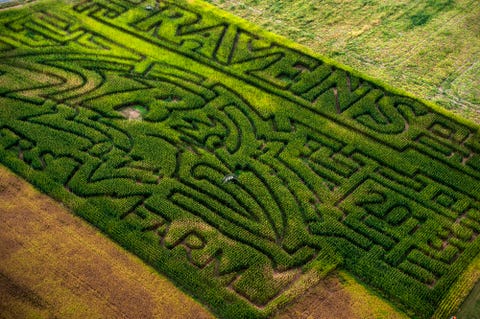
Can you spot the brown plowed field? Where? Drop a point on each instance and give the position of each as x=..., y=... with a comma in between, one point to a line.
x=54, y=265
x=340, y=296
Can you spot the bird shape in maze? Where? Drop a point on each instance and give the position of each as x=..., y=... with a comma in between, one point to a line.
x=358, y=175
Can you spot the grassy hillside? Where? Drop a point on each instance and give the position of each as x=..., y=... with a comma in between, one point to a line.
x=430, y=48
x=238, y=163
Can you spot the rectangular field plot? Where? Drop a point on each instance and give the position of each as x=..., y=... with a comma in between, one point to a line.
x=134, y=114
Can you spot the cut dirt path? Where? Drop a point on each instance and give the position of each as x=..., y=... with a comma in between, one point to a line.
x=54, y=265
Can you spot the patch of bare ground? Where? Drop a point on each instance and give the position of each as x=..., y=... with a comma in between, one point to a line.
x=55, y=265
x=131, y=113
x=339, y=296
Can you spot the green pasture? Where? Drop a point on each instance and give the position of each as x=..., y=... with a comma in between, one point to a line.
x=471, y=306
x=430, y=47
x=333, y=169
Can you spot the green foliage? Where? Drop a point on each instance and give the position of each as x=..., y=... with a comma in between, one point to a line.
x=331, y=167
x=429, y=47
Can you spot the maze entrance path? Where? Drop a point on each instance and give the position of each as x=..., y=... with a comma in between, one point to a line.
x=333, y=170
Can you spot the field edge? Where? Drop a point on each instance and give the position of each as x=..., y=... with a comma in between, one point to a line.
x=459, y=291
x=209, y=7
x=79, y=205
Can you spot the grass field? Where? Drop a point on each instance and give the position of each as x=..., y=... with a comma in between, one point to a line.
x=54, y=265
x=471, y=307
x=133, y=116
x=430, y=48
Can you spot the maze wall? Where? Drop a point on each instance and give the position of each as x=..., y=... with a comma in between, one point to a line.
x=332, y=170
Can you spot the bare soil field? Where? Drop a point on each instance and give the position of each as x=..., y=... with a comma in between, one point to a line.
x=340, y=296
x=55, y=265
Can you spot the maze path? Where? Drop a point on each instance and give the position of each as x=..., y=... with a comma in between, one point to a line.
x=332, y=168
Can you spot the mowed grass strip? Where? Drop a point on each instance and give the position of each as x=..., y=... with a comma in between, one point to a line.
x=250, y=168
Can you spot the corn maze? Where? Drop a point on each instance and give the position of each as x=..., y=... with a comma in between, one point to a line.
x=133, y=112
